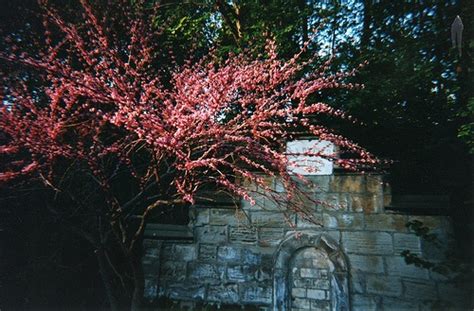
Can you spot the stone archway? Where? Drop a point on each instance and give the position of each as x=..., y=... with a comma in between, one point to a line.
x=310, y=272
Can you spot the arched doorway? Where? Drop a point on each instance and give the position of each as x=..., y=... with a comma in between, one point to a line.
x=310, y=273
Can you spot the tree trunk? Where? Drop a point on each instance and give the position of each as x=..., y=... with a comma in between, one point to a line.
x=107, y=279
x=138, y=283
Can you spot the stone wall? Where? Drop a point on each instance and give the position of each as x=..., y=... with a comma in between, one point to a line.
x=263, y=256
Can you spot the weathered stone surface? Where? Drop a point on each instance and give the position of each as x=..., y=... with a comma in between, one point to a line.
x=319, y=183
x=152, y=247
x=270, y=236
x=226, y=216
x=363, y=303
x=272, y=219
x=186, y=292
x=253, y=293
x=259, y=202
x=348, y=183
x=397, y=266
x=251, y=257
x=298, y=292
x=367, y=242
x=228, y=254
x=199, y=216
x=203, y=271
x=150, y=289
x=374, y=184
x=243, y=234
x=315, y=222
x=224, y=265
x=317, y=294
x=358, y=282
x=386, y=222
x=211, y=234
x=301, y=303
x=397, y=304
x=343, y=220
x=420, y=291
x=240, y=273
x=366, y=203
x=207, y=252
x=373, y=264
x=185, y=252
x=406, y=241
x=224, y=293
x=383, y=285
x=318, y=305
x=173, y=270
x=333, y=201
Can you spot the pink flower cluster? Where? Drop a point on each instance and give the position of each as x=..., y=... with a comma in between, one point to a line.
x=102, y=98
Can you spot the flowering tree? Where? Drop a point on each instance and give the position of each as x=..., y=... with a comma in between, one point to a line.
x=90, y=107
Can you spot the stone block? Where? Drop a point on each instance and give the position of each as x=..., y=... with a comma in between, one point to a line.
x=343, y=221
x=240, y=273
x=420, y=291
x=227, y=216
x=150, y=291
x=186, y=292
x=152, y=248
x=243, y=235
x=259, y=200
x=310, y=273
x=397, y=266
x=211, y=234
x=363, y=303
x=358, y=282
x=333, y=201
x=228, y=254
x=317, y=294
x=272, y=219
x=374, y=184
x=318, y=305
x=320, y=183
x=199, y=216
x=348, y=183
x=226, y=294
x=366, y=203
x=251, y=257
x=383, y=285
x=373, y=264
x=203, y=271
x=399, y=305
x=301, y=303
x=270, y=236
x=302, y=222
x=406, y=241
x=367, y=243
x=299, y=292
x=386, y=222
x=207, y=252
x=253, y=293
x=185, y=252
x=173, y=270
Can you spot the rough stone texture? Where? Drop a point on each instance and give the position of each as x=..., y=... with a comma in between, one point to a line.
x=364, y=263
x=367, y=242
x=386, y=285
x=348, y=259
x=398, y=266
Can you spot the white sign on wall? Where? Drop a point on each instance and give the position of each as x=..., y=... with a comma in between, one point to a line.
x=310, y=165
